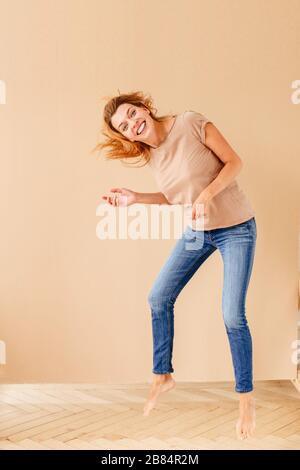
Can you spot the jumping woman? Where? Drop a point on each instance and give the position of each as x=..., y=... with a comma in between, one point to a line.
x=192, y=164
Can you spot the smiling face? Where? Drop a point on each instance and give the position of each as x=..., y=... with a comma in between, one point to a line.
x=128, y=119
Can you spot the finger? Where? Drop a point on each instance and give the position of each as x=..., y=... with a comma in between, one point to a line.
x=116, y=190
x=115, y=199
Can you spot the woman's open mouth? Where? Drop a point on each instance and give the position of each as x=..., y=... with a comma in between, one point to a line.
x=141, y=128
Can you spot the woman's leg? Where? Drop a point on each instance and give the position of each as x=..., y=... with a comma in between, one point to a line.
x=237, y=247
x=182, y=263
x=190, y=251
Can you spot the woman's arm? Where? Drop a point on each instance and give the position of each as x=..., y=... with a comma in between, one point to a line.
x=215, y=141
x=233, y=164
x=126, y=197
x=151, y=198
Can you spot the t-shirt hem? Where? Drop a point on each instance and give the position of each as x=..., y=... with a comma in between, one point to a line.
x=239, y=221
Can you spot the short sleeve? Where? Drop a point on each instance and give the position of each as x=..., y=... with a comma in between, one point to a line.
x=197, y=123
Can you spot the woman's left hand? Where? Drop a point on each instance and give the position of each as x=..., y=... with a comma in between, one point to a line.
x=200, y=206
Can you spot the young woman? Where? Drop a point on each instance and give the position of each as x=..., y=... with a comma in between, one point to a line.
x=193, y=164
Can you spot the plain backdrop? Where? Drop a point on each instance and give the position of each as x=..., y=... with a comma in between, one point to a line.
x=74, y=307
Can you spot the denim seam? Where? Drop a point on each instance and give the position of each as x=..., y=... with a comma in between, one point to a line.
x=186, y=275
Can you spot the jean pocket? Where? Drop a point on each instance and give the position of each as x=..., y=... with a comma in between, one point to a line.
x=247, y=227
x=242, y=225
x=252, y=225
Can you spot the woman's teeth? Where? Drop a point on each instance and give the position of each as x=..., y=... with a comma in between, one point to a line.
x=141, y=128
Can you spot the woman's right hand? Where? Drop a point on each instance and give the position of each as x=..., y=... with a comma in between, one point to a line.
x=122, y=197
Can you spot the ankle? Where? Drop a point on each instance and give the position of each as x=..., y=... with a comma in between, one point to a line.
x=160, y=378
x=246, y=400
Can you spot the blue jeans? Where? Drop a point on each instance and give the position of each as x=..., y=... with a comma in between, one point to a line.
x=237, y=246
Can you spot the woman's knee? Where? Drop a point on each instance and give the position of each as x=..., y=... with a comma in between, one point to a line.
x=234, y=320
x=159, y=297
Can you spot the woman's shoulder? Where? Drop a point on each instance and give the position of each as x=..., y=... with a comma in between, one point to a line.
x=191, y=115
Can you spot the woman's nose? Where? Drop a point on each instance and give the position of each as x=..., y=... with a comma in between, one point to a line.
x=133, y=126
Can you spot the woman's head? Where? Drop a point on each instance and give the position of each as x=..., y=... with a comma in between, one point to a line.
x=123, y=116
x=127, y=120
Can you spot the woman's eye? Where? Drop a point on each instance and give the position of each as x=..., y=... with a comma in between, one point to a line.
x=125, y=127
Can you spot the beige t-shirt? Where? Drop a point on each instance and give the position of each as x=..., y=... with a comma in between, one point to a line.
x=183, y=166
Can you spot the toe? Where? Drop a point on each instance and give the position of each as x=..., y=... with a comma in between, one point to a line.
x=238, y=430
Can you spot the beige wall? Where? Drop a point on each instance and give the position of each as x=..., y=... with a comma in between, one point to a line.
x=74, y=308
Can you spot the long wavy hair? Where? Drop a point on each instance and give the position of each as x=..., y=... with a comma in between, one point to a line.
x=116, y=145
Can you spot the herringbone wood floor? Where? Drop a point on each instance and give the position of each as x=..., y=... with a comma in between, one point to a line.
x=191, y=416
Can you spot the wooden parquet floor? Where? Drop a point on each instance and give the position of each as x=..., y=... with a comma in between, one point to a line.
x=191, y=416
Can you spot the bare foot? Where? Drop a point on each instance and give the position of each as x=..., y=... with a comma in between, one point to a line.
x=246, y=423
x=161, y=383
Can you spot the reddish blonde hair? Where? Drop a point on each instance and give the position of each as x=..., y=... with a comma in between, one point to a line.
x=119, y=147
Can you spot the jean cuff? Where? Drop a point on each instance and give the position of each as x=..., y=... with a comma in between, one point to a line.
x=244, y=391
